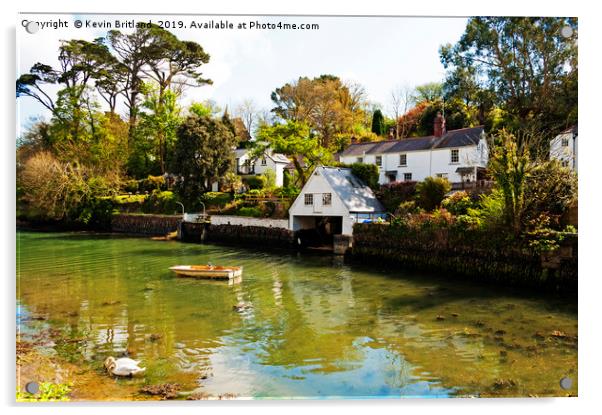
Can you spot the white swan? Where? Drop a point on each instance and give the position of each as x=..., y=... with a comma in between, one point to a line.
x=123, y=366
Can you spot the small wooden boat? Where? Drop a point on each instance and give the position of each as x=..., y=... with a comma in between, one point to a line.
x=207, y=271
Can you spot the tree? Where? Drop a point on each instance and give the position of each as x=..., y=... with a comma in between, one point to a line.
x=378, y=123
x=293, y=139
x=247, y=112
x=159, y=121
x=428, y=92
x=511, y=167
x=202, y=155
x=325, y=104
x=550, y=189
x=53, y=188
x=131, y=52
x=401, y=98
x=431, y=192
x=525, y=63
x=207, y=108
x=32, y=84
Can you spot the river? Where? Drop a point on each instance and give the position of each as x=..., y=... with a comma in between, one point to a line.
x=312, y=326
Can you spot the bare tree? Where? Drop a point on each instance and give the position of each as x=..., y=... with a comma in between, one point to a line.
x=248, y=112
x=402, y=97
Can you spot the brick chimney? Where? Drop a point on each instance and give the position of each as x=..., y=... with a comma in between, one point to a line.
x=439, y=128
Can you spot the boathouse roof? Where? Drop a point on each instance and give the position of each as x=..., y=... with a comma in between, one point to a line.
x=354, y=193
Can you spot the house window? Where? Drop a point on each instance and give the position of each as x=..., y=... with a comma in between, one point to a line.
x=360, y=159
x=327, y=199
x=403, y=159
x=565, y=142
x=264, y=162
x=379, y=161
x=407, y=177
x=455, y=156
x=565, y=163
x=309, y=199
x=442, y=175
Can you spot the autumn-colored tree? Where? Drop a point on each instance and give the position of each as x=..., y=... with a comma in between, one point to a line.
x=326, y=104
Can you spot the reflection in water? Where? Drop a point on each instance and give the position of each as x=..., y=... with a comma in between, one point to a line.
x=310, y=326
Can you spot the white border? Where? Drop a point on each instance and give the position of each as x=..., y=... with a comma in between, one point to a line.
x=589, y=126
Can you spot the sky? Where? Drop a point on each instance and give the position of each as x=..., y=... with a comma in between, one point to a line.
x=380, y=53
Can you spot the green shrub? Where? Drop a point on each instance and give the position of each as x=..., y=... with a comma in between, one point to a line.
x=252, y=211
x=489, y=209
x=269, y=178
x=255, y=193
x=290, y=192
x=128, y=199
x=131, y=186
x=458, y=203
x=216, y=199
x=152, y=183
x=406, y=208
x=287, y=180
x=254, y=182
x=431, y=192
x=94, y=213
x=161, y=203
x=392, y=195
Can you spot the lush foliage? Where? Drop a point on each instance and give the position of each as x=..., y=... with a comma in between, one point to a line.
x=522, y=65
x=202, y=155
x=393, y=194
x=431, y=192
x=510, y=167
x=216, y=199
x=294, y=138
x=326, y=104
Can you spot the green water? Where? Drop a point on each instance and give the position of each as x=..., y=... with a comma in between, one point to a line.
x=315, y=327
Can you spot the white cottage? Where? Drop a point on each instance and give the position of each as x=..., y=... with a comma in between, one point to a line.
x=246, y=165
x=564, y=147
x=336, y=199
x=458, y=155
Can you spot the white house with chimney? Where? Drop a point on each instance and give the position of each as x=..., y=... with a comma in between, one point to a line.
x=459, y=155
x=564, y=148
x=331, y=201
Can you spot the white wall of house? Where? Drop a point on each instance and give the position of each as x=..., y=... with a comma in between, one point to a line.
x=426, y=163
x=564, y=148
x=301, y=214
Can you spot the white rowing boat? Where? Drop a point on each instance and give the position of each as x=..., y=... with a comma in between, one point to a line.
x=207, y=271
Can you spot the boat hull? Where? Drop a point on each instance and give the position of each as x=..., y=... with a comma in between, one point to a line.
x=209, y=272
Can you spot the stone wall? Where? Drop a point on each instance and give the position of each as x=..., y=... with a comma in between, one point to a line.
x=145, y=224
x=251, y=235
x=484, y=258
x=247, y=221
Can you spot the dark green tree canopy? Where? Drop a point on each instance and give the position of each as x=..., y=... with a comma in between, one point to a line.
x=202, y=155
x=523, y=65
x=378, y=123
